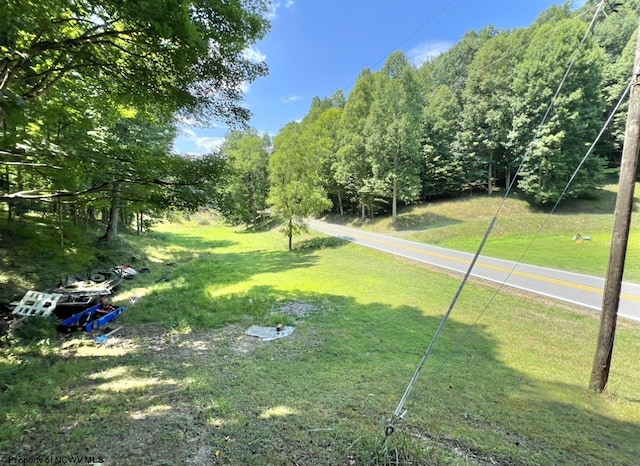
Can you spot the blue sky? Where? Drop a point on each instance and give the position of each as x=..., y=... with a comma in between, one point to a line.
x=316, y=47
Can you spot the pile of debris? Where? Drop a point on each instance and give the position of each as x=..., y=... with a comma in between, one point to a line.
x=81, y=303
x=79, y=293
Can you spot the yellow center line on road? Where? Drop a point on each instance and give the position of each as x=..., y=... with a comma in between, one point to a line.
x=497, y=268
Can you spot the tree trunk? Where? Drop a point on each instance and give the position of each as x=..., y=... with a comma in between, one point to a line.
x=139, y=223
x=340, y=208
x=9, y=218
x=490, y=175
x=76, y=216
x=85, y=221
x=60, y=224
x=394, y=201
x=112, y=226
x=123, y=219
x=507, y=174
x=290, y=234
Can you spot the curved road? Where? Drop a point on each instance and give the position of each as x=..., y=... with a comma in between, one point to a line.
x=583, y=290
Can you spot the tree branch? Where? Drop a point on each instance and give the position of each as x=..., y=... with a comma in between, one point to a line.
x=44, y=194
x=78, y=41
x=31, y=164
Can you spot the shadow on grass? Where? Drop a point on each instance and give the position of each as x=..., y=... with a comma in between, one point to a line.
x=32, y=256
x=265, y=223
x=34, y=260
x=201, y=289
x=188, y=243
x=319, y=243
x=316, y=397
x=406, y=221
x=600, y=202
x=414, y=222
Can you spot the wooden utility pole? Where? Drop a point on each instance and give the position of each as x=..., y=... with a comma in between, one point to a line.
x=622, y=221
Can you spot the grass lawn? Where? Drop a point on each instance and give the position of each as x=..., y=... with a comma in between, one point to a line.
x=181, y=384
x=521, y=233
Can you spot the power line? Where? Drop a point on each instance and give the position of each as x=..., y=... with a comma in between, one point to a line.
x=400, y=411
x=487, y=306
x=533, y=41
x=429, y=21
x=442, y=10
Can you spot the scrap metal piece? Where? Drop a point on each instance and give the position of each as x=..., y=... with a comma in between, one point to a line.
x=37, y=303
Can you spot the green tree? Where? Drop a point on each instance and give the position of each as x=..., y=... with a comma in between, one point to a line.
x=353, y=168
x=451, y=68
x=392, y=133
x=443, y=175
x=169, y=52
x=561, y=142
x=615, y=33
x=296, y=190
x=487, y=110
x=115, y=74
x=247, y=179
x=321, y=125
x=326, y=129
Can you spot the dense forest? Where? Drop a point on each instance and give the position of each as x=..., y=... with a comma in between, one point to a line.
x=91, y=94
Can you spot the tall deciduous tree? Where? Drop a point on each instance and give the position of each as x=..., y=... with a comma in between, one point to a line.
x=247, y=180
x=561, y=142
x=187, y=55
x=615, y=34
x=393, y=133
x=487, y=110
x=296, y=186
x=114, y=74
x=443, y=174
x=451, y=68
x=353, y=167
x=326, y=129
x=321, y=125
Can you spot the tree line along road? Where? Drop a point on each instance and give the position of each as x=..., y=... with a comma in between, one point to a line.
x=578, y=289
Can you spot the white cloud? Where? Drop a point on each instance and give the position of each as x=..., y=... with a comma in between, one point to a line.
x=254, y=55
x=186, y=120
x=245, y=86
x=206, y=144
x=272, y=11
x=426, y=51
x=188, y=133
x=188, y=142
x=290, y=99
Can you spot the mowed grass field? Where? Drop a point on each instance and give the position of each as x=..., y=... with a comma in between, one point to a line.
x=181, y=383
x=521, y=233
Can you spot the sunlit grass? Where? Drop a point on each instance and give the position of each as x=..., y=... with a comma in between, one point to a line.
x=507, y=381
x=521, y=233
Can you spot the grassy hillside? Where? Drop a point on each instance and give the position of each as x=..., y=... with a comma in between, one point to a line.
x=522, y=233
x=182, y=384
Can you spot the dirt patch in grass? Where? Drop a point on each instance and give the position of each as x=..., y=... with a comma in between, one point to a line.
x=297, y=309
x=160, y=396
x=158, y=342
x=153, y=380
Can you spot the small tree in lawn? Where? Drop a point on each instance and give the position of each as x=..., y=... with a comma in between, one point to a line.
x=296, y=190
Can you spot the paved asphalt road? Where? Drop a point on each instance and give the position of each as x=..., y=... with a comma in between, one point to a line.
x=582, y=290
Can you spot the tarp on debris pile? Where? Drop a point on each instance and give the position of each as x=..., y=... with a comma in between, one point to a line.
x=269, y=333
